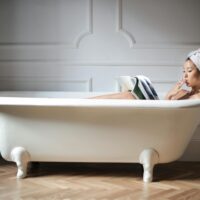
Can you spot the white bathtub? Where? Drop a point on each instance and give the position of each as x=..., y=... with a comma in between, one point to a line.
x=48, y=126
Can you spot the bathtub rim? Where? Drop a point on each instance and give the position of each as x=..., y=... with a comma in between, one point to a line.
x=82, y=102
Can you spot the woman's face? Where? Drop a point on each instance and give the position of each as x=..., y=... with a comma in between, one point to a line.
x=191, y=74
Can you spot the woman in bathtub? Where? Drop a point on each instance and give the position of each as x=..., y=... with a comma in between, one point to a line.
x=191, y=77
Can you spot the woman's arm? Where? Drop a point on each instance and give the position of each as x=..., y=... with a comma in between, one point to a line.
x=182, y=94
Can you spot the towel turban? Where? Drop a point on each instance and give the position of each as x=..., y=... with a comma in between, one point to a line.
x=194, y=56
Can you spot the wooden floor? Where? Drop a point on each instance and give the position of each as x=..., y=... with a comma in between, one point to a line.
x=174, y=181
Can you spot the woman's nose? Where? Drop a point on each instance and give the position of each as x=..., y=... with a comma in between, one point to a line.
x=185, y=75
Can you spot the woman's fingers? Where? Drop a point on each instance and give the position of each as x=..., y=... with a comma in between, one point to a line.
x=180, y=83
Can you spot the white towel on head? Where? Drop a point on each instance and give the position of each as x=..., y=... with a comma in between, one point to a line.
x=194, y=56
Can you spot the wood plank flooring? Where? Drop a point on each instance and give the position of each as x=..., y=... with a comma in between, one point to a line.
x=78, y=181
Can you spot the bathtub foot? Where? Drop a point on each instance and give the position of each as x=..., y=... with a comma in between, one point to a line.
x=21, y=157
x=148, y=158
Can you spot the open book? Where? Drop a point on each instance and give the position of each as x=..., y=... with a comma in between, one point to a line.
x=140, y=86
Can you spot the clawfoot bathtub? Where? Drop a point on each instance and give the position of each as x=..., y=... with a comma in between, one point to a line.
x=95, y=130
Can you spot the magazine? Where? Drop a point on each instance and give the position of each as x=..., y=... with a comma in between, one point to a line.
x=140, y=86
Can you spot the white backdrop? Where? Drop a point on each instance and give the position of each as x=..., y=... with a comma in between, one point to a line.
x=84, y=45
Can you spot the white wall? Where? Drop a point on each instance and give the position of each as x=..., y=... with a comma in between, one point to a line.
x=84, y=45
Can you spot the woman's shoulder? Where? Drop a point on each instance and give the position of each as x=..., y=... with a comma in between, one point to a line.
x=195, y=96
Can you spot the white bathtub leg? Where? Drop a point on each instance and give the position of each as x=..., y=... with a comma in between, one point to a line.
x=21, y=157
x=148, y=158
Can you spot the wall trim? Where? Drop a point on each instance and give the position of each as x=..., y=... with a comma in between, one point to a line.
x=96, y=63
x=152, y=46
x=89, y=29
x=158, y=46
x=119, y=25
x=48, y=79
x=132, y=41
x=75, y=44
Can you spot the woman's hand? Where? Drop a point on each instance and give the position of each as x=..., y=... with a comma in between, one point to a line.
x=177, y=92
